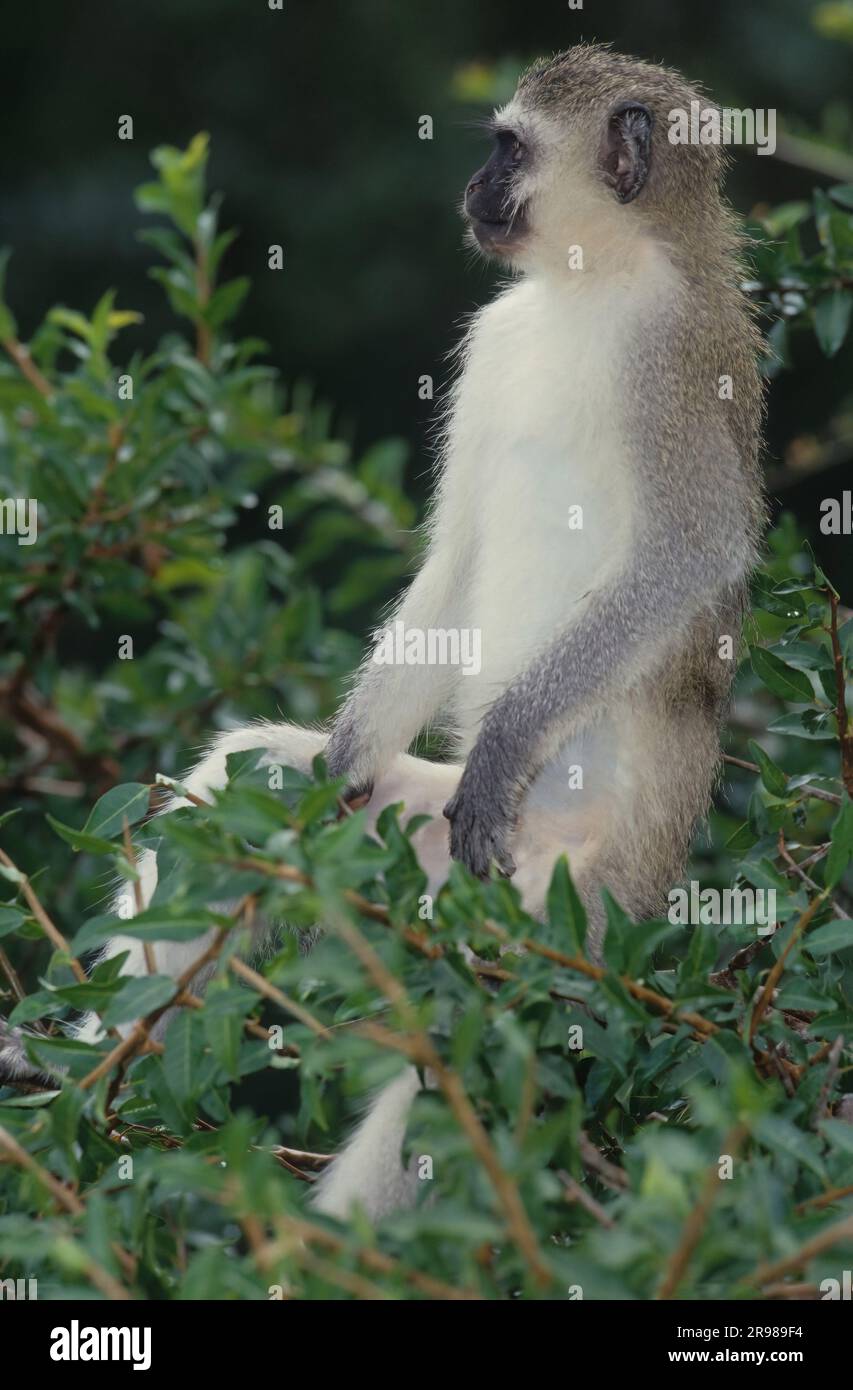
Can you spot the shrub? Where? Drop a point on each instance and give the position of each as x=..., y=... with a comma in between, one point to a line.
x=671, y=1123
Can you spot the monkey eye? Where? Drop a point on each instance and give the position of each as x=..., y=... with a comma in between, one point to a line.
x=511, y=145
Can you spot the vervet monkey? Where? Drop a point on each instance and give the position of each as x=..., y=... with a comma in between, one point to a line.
x=597, y=515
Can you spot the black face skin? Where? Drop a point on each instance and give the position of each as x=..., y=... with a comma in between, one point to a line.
x=488, y=197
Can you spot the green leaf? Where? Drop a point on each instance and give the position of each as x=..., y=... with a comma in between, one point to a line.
x=222, y=1020
x=782, y=679
x=8, y=327
x=835, y=936
x=182, y=1055
x=832, y=320
x=841, y=848
x=139, y=997
x=226, y=302
x=11, y=919
x=155, y=924
x=566, y=912
x=127, y=802
x=79, y=840
x=772, y=776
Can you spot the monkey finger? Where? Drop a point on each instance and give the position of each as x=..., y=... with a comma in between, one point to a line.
x=357, y=795
x=505, y=863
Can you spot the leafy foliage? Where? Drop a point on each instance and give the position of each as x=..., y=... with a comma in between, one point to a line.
x=803, y=262
x=578, y=1139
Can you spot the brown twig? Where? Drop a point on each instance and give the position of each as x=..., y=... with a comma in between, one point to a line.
x=25, y=708
x=301, y=1158
x=592, y=1157
x=795, y=868
x=374, y=1260
x=802, y=1291
x=139, y=1034
x=11, y=975
x=817, y=793
x=775, y=974
x=575, y=1193
x=53, y=934
x=825, y=1199
x=269, y=991
x=26, y=366
x=374, y=911
x=598, y=972
x=70, y=1203
x=695, y=1224
x=844, y=736
x=420, y=1051
x=829, y=1080
x=768, y=1273
x=203, y=334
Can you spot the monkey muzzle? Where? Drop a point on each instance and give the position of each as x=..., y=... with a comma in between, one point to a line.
x=490, y=209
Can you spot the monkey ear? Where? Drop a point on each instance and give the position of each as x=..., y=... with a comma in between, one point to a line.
x=626, y=149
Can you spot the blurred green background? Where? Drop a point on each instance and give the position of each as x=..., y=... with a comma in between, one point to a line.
x=313, y=114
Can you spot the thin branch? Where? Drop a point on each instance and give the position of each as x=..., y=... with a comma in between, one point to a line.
x=768, y=1273
x=798, y=1291
x=795, y=868
x=419, y=1049
x=696, y=1221
x=53, y=934
x=302, y=1158
x=816, y=792
x=598, y=972
x=70, y=1203
x=294, y=1228
x=139, y=1034
x=825, y=1199
x=844, y=736
x=203, y=334
x=270, y=991
x=11, y=975
x=575, y=1193
x=828, y=1081
x=592, y=1157
x=20, y=355
x=775, y=974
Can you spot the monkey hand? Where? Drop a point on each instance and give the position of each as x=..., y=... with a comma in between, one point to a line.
x=345, y=759
x=480, y=831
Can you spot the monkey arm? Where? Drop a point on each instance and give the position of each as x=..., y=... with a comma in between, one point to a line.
x=692, y=547
x=390, y=703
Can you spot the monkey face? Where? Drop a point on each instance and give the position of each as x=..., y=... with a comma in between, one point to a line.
x=582, y=164
x=556, y=179
x=495, y=211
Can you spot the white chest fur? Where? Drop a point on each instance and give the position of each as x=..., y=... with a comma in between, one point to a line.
x=539, y=439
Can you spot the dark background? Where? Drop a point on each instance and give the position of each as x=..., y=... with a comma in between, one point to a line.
x=313, y=113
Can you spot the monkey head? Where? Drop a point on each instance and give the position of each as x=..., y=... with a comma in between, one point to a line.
x=582, y=156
